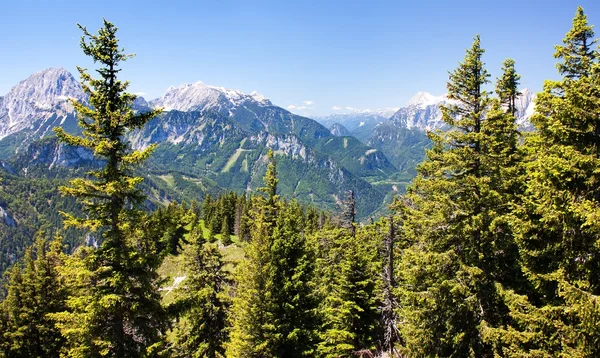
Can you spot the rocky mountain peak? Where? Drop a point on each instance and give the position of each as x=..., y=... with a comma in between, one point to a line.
x=424, y=99
x=43, y=94
x=199, y=97
x=339, y=130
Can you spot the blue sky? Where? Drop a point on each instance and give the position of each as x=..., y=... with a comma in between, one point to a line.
x=360, y=54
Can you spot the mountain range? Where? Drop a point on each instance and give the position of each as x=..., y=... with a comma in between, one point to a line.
x=209, y=140
x=402, y=135
x=217, y=139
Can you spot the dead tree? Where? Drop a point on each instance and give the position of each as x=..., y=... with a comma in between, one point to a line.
x=389, y=318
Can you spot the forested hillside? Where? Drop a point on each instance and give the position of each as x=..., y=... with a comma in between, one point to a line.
x=493, y=251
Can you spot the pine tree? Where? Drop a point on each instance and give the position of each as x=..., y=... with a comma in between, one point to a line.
x=202, y=304
x=578, y=51
x=350, y=301
x=449, y=271
x=507, y=86
x=207, y=209
x=556, y=222
x=34, y=291
x=120, y=314
x=273, y=308
x=293, y=292
x=225, y=235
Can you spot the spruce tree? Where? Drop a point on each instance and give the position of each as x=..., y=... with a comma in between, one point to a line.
x=207, y=209
x=225, y=235
x=293, y=291
x=273, y=307
x=246, y=220
x=556, y=222
x=253, y=310
x=350, y=306
x=120, y=313
x=202, y=303
x=448, y=272
x=507, y=86
x=34, y=292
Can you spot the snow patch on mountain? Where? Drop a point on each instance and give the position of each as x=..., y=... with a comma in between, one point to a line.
x=525, y=106
x=422, y=111
x=425, y=99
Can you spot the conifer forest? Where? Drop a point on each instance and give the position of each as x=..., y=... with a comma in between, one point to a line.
x=491, y=250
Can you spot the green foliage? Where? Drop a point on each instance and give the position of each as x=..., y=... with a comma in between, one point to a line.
x=34, y=291
x=556, y=222
x=455, y=220
x=202, y=303
x=493, y=252
x=225, y=233
x=114, y=307
x=273, y=307
x=348, y=268
x=33, y=204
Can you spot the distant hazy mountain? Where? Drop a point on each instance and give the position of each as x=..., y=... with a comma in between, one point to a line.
x=359, y=123
x=402, y=138
x=339, y=130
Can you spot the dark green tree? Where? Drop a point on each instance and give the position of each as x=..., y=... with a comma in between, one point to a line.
x=350, y=307
x=507, y=86
x=556, y=221
x=207, y=209
x=225, y=234
x=293, y=292
x=34, y=291
x=202, y=304
x=578, y=53
x=450, y=269
x=119, y=314
x=273, y=308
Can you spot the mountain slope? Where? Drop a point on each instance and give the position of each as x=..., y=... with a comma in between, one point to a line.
x=207, y=132
x=339, y=130
x=403, y=139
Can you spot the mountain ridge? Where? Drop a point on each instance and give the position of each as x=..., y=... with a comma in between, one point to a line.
x=205, y=130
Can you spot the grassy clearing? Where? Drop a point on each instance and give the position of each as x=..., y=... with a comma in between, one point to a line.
x=174, y=266
x=168, y=179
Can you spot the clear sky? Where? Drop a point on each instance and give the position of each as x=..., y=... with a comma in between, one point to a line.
x=315, y=54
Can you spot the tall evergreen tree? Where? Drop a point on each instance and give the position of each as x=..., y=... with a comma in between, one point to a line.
x=120, y=314
x=225, y=235
x=448, y=292
x=507, y=86
x=293, y=290
x=350, y=305
x=202, y=303
x=556, y=222
x=273, y=308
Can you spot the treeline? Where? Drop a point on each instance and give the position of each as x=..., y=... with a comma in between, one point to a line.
x=233, y=214
x=494, y=251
